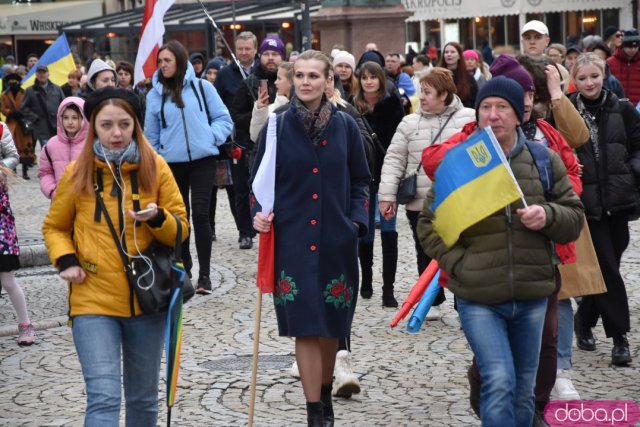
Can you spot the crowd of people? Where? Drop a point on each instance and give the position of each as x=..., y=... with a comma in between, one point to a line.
x=347, y=134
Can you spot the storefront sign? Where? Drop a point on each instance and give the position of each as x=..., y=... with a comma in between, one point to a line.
x=456, y=9
x=44, y=18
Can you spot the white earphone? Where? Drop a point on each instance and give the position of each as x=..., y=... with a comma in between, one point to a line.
x=123, y=189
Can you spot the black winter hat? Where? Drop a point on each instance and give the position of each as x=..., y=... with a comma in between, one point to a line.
x=505, y=88
x=631, y=38
x=608, y=32
x=197, y=57
x=97, y=96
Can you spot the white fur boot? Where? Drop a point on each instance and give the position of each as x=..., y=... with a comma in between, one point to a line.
x=346, y=382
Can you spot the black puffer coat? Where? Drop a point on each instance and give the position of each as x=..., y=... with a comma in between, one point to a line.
x=611, y=184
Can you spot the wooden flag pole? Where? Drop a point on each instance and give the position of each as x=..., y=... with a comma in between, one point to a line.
x=254, y=365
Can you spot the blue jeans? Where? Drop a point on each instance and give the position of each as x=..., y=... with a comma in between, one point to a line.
x=505, y=339
x=385, y=225
x=565, y=333
x=98, y=340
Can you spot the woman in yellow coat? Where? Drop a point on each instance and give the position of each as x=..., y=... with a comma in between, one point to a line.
x=102, y=304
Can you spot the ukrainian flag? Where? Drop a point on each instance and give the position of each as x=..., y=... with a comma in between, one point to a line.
x=59, y=61
x=472, y=182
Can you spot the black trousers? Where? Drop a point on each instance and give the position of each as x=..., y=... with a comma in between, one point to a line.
x=231, y=194
x=197, y=177
x=241, y=173
x=422, y=259
x=610, y=238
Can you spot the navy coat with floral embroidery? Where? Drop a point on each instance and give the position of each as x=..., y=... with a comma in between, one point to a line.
x=320, y=192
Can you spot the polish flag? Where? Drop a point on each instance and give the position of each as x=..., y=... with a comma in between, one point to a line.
x=150, y=38
x=264, y=188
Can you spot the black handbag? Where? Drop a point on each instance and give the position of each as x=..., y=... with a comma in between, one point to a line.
x=408, y=186
x=153, y=284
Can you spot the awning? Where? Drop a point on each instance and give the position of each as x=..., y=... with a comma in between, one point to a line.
x=425, y=10
x=45, y=18
x=185, y=16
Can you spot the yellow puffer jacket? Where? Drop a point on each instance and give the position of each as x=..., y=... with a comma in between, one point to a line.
x=70, y=229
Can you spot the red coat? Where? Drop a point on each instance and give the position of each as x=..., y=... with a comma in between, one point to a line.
x=626, y=71
x=433, y=155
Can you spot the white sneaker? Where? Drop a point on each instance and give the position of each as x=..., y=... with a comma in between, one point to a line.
x=434, y=313
x=293, y=370
x=563, y=389
x=346, y=382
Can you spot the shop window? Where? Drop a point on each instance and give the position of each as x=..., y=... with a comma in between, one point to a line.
x=610, y=17
x=554, y=23
x=466, y=33
x=482, y=32
x=498, y=31
x=513, y=32
x=536, y=16
x=573, y=25
x=591, y=22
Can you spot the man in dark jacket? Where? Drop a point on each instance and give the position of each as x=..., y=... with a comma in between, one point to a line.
x=502, y=269
x=625, y=65
x=271, y=55
x=40, y=104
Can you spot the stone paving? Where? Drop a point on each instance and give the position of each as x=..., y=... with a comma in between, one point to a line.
x=407, y=380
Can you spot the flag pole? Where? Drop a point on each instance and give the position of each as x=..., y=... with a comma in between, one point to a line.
x=215, y=27
x=254, y=364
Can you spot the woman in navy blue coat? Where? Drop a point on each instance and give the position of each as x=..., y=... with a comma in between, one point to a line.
x=320, y=210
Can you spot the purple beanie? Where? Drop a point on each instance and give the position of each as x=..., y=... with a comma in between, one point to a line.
x=272, y=43
x=508, y=66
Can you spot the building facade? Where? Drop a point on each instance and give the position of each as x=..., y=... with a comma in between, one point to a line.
x=497, y=22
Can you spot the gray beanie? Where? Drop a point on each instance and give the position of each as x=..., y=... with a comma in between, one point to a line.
x=97, y=66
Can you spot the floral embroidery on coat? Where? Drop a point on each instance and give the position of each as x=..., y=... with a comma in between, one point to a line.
x=285, y=290
x=338, y=293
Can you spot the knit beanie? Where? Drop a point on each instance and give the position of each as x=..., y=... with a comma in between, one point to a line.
x=373, y=56
x=109, y=92
x=344, y=57
x=472, y=54
x=608, y=32
x=508, y=66
x=631, y=38
x=505, y=88
x=98, y=66
x=272, y=43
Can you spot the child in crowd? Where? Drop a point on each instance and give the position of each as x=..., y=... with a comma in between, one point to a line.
x=9, y=249
x=65, y=147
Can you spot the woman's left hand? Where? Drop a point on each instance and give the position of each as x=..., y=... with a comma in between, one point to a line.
x=149, y=213
x=388, y=209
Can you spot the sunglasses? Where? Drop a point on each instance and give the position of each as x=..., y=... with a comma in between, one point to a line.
x=619, y=35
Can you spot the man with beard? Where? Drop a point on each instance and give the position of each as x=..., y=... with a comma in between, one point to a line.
x=271, y=53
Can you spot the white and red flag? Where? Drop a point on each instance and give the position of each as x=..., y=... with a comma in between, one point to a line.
x=150, y=38
x=264, y=188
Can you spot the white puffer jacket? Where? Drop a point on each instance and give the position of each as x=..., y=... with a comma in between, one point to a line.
x=414, y=134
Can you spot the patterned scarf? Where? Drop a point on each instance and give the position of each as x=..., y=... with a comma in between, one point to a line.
x=592, y=122
x=314, y=122
x=129, y=154
x=529, y=129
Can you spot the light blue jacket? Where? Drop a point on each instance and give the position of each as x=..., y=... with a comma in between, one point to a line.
x=187, y=134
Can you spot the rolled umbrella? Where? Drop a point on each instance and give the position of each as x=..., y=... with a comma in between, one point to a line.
x=416, y=292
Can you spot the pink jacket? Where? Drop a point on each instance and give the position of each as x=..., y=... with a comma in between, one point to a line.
x=61, y=150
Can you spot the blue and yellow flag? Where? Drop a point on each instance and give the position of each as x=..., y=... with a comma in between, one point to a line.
x=472, y=182
x=59, y=61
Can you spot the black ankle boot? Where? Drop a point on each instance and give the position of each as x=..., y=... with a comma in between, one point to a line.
x=389, y=265
x=620, y=354
x=365, y=255
x=327, y=405
x=25, y=175
x=584, y=334
x=314, y=414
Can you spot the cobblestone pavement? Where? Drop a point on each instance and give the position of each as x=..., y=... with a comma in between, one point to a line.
x=407, y=380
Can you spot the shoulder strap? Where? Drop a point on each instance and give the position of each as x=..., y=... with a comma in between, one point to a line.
x=164, y=121
x=204, y=100
x=114, y=234
x=46, y=152
x=543, y=164
x=135, y=193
